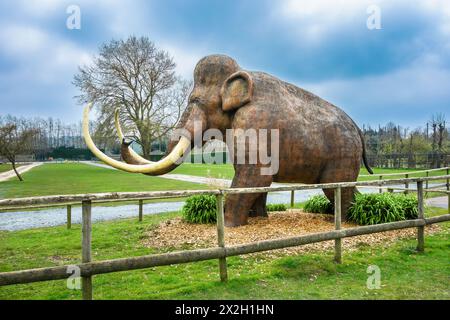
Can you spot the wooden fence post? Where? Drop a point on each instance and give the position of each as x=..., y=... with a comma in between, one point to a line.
x=292, y=198
x=448, y=180
x=381, y=190
x=448, y=202
x=221, y=237
x=426, y=184
x=69, y=216
x=420, y=230
x=86, y=282
x=337, y=224
x=141, y=210
x=406, y=184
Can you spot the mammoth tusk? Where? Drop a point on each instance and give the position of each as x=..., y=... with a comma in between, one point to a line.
x=156, y=168
x=131, y=155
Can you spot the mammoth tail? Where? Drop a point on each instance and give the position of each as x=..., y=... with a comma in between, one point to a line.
x=364, y=155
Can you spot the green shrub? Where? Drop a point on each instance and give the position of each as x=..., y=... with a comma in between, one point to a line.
x=382, y=208
x=410, y=206
x=318, y=204
x=276, y=207
x=200, y=209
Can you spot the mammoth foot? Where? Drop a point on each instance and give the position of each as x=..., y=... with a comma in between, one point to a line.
x=232, y=220
x=239, y=207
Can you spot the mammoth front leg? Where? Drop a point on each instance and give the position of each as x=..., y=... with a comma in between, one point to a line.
x=259, y=206
x=238, y=206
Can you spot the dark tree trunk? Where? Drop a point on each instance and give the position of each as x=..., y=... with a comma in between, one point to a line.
x=13, y=163
x=146, y=149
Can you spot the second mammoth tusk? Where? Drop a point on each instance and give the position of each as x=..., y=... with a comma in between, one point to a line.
x=155, y=168
x=131, y=153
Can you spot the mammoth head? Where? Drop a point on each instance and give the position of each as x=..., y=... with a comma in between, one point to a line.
x=220, y=88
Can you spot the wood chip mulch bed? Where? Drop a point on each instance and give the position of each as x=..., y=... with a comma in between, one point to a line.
x=175, y=234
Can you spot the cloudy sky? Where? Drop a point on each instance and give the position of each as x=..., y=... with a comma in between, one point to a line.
x=399, y=73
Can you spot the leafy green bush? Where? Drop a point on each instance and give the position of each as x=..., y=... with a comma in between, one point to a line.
x=318, y=204
x=370, y=208
x=410, y=206
x=382, y=208
x=276, y=207
x=200, y=209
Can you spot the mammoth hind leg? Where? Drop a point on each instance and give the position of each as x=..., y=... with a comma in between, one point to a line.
x=347, y=196
x=341, y=171
x=237, y=208
x=259, y=206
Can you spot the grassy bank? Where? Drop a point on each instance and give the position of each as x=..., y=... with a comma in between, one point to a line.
x=69, y=178
x=7, y=167
x=226, y=171
x=51, y=179
x=223, y=171
x=405, y=274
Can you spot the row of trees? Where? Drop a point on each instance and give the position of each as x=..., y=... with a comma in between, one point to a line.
x=396, y=146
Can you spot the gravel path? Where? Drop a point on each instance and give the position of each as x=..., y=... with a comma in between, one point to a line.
x=11, y=174
x=21, y=220
x=439, y=202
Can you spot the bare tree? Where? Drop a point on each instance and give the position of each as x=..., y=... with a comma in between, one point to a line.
x=140, y=79
x=16, y=137
x=439, y=131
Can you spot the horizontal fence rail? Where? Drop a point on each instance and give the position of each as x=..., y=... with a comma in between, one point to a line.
x=142, y=262
x=119, y=196
x=74, y=203
x=403, y=173
x=89, y=268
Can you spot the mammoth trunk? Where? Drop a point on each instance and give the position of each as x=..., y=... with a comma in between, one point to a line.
x=191, y=126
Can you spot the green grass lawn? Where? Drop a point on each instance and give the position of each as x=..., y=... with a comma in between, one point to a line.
x=223, y=171
x=52, y=179
x=80, y=178
x=226, y=171
x=7, y=167
x=69, y=178
x=405, y=274
x=411, y=172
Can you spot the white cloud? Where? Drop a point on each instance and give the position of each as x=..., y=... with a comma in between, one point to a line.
x=185, y=59
x=39, y=8
x=123, y=19
x=442, y=9
x=414, y=88
x=314, y=20
x=20, y=40
x=322, y=9
x=42, y=56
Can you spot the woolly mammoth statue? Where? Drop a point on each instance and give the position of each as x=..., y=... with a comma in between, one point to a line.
x=309, y=139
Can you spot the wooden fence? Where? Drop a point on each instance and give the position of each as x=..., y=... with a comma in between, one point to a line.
x=407, y=175
x=89, y=268
x=434, y=159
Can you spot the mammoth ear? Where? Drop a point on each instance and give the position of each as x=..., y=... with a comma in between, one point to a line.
x=236, y=91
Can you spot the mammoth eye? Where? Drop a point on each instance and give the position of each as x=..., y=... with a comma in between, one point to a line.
x=195, y=100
